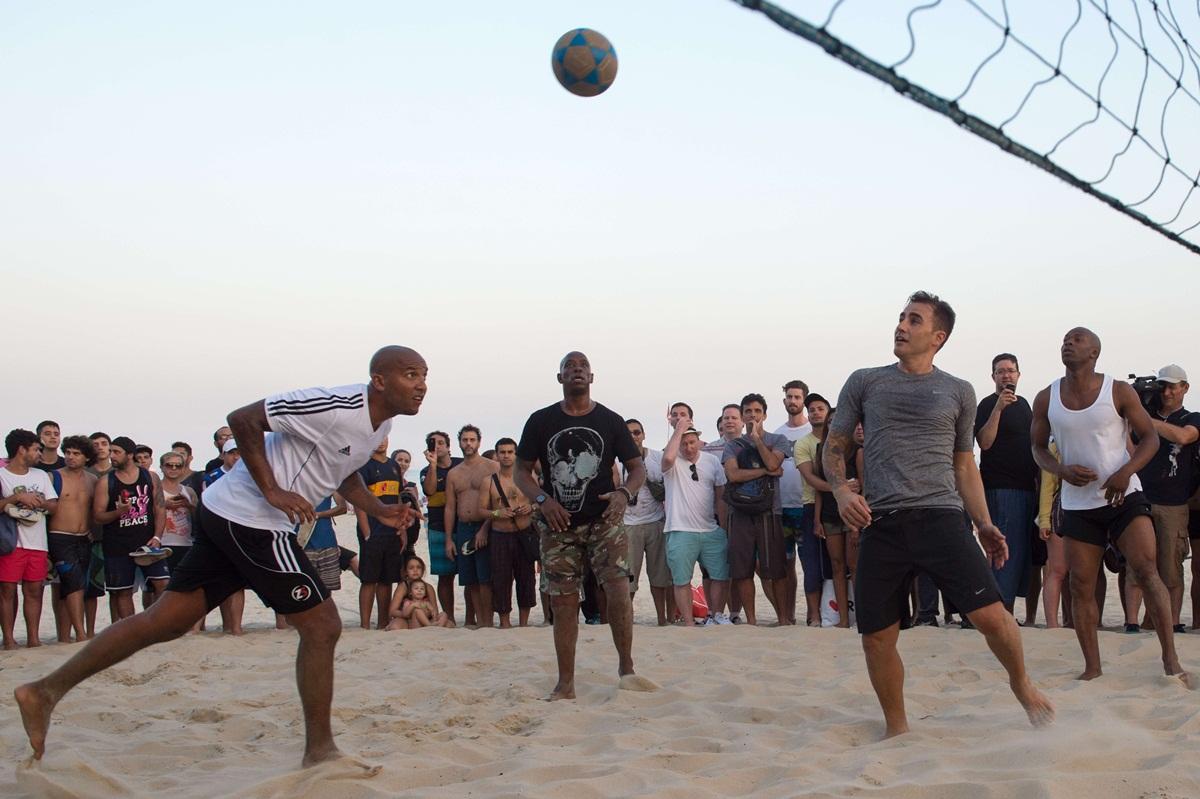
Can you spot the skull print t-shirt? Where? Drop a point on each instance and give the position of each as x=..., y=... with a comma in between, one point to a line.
x=577, y=454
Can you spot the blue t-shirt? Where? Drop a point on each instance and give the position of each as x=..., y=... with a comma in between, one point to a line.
x=322, y=534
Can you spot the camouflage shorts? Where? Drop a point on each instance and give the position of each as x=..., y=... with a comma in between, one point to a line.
x=605, y=548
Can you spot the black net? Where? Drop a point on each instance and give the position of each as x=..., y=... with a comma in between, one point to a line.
x=1103, y=94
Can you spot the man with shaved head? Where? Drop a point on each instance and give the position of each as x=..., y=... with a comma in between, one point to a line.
x=580, y=513
x=297, y=448
x=1091, y=416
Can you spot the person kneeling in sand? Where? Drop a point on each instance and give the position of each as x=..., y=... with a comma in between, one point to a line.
x=415, y=602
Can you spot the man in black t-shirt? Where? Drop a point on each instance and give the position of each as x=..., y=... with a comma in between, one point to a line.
x=1168, y=481
x=581, y=512
x=49, y=434
x=1002, y=423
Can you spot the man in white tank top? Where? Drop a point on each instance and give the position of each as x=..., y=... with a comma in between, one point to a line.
x=1091, y=415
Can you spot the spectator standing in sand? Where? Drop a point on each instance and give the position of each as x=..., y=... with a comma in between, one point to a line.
x=511, y=539
x=791, y=495
x=468, y=546
x=433, y=485
x=69, y=532
x=644, y=525
x=29, y=490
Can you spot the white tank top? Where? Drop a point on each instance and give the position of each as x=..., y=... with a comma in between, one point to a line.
x=1094, y=437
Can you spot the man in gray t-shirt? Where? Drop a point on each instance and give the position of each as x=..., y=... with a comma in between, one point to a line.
x=920, y=475
x=914, y=423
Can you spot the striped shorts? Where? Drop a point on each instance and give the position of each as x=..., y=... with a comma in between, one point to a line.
x=227, y=557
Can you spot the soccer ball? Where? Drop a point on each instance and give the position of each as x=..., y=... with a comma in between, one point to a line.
x=584, y=62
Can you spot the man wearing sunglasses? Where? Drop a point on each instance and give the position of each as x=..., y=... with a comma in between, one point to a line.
x=695, y=484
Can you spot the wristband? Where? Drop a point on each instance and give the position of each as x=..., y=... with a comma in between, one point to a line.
x=628, y=494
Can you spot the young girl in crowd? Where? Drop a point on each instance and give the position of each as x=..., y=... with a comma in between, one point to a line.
x=415, y=603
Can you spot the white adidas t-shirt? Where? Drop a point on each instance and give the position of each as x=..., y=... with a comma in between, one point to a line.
x=690, y=506
x=791, y=484
x=320, y=437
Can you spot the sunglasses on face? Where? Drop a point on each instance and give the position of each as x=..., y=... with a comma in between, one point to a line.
x=172, y=465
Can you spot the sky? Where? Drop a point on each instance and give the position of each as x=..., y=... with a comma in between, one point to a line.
x=204, y=205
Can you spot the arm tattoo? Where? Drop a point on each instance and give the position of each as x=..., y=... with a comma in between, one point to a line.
x=833, y=458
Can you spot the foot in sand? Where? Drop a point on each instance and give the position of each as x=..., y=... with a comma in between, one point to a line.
x=1037, y=706
x=1185, y=677
x=36, y=705
x=340, y=765
x=564, y=690
x=1090, y=674
x=890, y=732
x=635, y=682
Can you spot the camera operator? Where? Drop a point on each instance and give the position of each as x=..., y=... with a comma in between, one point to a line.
x=1169, y=480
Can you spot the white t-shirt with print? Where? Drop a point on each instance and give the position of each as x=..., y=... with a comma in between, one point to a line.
x=29, y=536
x=791, y=484
x=320, y=436
x=690, y=503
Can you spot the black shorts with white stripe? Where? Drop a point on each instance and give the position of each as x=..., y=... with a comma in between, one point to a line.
x=227, y=557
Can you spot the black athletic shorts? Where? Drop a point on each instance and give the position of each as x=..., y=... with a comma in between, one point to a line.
x=70, y=554
x=1104, y=525
x=227, y=557
x=381, y=559
x=1194, y=526
x=345, y=558
x=898, y=544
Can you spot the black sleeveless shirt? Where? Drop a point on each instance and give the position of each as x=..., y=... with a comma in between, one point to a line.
x=136, y=526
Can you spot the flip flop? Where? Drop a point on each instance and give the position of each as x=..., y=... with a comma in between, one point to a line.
x=144, y=555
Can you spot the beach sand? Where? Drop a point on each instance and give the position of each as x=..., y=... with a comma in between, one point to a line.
x=769, y=712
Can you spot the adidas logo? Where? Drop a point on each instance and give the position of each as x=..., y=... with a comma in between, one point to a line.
x=345, y=450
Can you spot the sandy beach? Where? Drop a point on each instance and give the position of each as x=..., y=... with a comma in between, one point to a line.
x=769, y=712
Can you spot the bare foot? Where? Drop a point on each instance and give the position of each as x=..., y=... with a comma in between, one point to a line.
x=1090, y=674
x=892, y=732
x=636, y=682
x=36, y=705
x=564, y=690
x=331, y=752
x=1186, y=678
x=9, y=647
x=33, y=643
x=1037, y=706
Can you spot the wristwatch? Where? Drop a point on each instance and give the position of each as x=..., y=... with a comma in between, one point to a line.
x=628, y=494
x=540, y=498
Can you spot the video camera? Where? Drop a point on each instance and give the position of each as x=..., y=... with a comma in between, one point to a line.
x=1149, y=391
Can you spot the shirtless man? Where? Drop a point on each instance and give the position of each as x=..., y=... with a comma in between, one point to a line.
x=1091, y=416
x=514, y=547
x=70, y=525
x=467, y=546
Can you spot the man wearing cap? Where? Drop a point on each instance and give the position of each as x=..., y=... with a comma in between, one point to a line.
x=129, y=504
x=1168, y=480
x=229, y=458
x=695, y=508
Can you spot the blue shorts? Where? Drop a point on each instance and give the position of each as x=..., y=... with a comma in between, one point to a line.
x=793, y=522
x=684, y=549
x=475, y=568
x=439, y=564
x=119, y=571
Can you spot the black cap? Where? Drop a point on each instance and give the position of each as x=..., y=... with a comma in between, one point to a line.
x=124, y=442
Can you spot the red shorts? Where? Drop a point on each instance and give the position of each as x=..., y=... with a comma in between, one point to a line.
x=23, y=565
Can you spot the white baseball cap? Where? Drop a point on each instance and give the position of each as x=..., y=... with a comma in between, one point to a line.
x=1172, y=373
x=229, y=446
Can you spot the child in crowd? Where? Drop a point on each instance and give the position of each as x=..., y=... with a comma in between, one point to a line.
x=415, y=603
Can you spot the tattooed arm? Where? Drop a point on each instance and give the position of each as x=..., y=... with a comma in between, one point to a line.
x=852, y=507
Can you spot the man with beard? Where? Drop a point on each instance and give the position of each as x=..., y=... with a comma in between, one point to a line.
x=467, y=546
